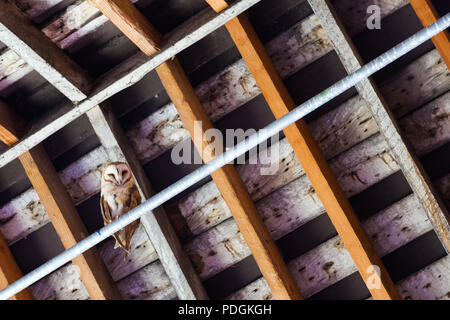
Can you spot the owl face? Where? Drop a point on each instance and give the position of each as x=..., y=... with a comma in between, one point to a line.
x=117, y=173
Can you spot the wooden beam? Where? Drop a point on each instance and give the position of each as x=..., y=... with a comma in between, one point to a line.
x=410, y=165
x=308, y=153
x=126, y=74
x=67, y=222
x=19, y=34
x=229, y=184
x=217, y=5
x=138, y=29
x=157, y=225
x=427, y=14
x=10, y=271
x=10, y=132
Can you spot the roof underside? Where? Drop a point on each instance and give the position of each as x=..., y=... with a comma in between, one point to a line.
x=416, y=88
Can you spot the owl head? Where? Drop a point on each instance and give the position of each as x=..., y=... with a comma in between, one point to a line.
x=117, y=173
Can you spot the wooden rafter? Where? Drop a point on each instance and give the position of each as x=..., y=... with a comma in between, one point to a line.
x=11, y=129
x=427, y=14
x=10, y=271
x=227, y=179
x=67, y=222
x=157, y=225
x=411, y=167
x=307, y=151
x=19, y=34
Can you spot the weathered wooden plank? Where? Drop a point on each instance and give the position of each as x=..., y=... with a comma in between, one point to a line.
x=141, y=254
x=354, y=14
x=411, y=168
x=149, y=283
x=429, y=77
x=230, y=185
x=428, y=15
x=10, y=271
x=127, y=74
x=257, y=290
x=436, y=132
x=33, y=9
x=63, y=284
x=155, y=223
x=309, y=154
x=430, y=283
x=67, y=222
x=70, y=20
x=18, y=33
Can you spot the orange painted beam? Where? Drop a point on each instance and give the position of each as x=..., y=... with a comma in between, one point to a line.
x=307, y=151
x=428, y=15
x=11, y=128
x=132, y=23
x=10, y=272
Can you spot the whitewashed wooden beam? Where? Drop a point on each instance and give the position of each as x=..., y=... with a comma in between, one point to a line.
x=127, y=74
x=410, y=166
x=156, y=223
x=19, y=34
x=63, y=284
x=149, y=283
x=257, y=290
x=34, y=9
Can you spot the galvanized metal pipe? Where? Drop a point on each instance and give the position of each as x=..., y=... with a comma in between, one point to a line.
x=225, y=158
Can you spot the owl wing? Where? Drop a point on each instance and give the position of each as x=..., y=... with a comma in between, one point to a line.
x=135, y=200
x=107, y=219
x=106, y=211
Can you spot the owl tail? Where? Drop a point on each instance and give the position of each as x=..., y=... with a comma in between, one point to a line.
x=120, y=243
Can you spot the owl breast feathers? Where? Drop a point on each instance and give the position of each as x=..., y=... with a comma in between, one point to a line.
x=119, y=194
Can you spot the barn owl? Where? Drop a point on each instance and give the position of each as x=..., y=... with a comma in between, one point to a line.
x=119, y=195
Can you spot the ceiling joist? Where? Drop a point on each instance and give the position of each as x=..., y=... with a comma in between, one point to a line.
x=428, y=15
